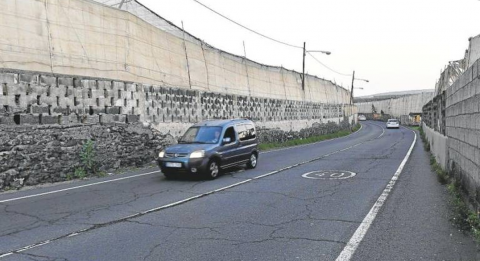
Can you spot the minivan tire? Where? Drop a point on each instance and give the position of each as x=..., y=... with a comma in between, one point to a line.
x=253, y=161
x=213, y=170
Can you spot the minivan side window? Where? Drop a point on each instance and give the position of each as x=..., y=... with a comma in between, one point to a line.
x=230, y=133
x=251, y=131
x=246, y=132
x=242, y=132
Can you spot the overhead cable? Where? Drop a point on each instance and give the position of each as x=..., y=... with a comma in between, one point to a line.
x=251, y=30
x=343, y=74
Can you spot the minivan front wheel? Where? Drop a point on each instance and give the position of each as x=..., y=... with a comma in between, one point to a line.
x=212, y=170
x=252, y=162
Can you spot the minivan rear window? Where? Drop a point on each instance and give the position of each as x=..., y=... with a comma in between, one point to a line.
x=392, y=120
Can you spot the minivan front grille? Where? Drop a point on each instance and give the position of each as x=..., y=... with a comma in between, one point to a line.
x=176, y=155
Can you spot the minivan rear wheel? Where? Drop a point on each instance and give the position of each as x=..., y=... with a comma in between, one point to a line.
x=252, y=162
x=212, y=169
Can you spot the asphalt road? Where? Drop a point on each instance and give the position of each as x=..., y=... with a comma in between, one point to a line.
x=269, y=213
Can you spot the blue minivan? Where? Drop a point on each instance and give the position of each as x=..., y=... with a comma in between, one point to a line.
x=208, y=147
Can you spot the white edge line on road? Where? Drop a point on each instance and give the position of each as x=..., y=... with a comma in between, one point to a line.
x=22, y=249
x=144, y=174
x=356, y=239
x=77, y=187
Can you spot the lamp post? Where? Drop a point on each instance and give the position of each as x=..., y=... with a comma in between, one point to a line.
x=353, y=80
x=305, y=54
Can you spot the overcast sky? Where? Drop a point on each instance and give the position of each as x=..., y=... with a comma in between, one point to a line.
x=397, y=45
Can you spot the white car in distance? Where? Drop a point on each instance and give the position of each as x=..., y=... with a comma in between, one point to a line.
x=393, y=123
x=362, y=118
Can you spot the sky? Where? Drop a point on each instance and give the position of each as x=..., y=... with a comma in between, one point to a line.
x=396, y=45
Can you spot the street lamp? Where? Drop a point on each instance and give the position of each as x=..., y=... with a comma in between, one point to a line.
x=305, y=54
x=353, y=80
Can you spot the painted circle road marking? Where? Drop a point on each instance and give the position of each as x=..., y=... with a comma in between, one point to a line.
x=329, y=174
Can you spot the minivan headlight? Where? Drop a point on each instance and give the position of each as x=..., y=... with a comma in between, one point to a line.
x=197, y=154
x=161, y=154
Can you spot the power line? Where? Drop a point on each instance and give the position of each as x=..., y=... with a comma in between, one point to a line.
x=251, y=30
x=270, y=38
x=343, y=74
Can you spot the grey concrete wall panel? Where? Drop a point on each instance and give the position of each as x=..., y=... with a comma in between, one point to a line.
x=397, y=107
x=438, y=145
x=473, y=50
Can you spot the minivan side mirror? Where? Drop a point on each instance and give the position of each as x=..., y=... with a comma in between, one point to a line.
x=226, y=140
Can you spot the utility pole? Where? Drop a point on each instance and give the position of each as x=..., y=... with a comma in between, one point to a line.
x=351, y=92
x=303, y=73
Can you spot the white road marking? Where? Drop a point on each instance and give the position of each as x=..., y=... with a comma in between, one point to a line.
x=77, y=187
x=22, y=249
x=329, y=174
x=354, y=242
x=140, y=175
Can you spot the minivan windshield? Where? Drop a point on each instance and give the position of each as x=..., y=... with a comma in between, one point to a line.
x=203, y=134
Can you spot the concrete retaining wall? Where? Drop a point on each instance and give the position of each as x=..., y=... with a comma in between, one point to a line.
x=438, y=145
x=81, y=37
x=31, y=98
x=397, y=107
x=473, y=50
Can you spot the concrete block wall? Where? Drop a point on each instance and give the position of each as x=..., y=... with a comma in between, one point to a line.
x=463, y=129
x=34, y=98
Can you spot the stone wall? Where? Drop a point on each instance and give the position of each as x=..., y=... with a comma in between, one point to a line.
x=277, y=135
x=33, y=154
x=456, y=114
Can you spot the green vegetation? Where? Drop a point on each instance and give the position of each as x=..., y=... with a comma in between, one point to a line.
x=296, y=142
x=426, y=144
x=442, y=175
x=80, y=173
x=87, y=155
x=417, y=128
x=463, y=216
x=88, y=166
